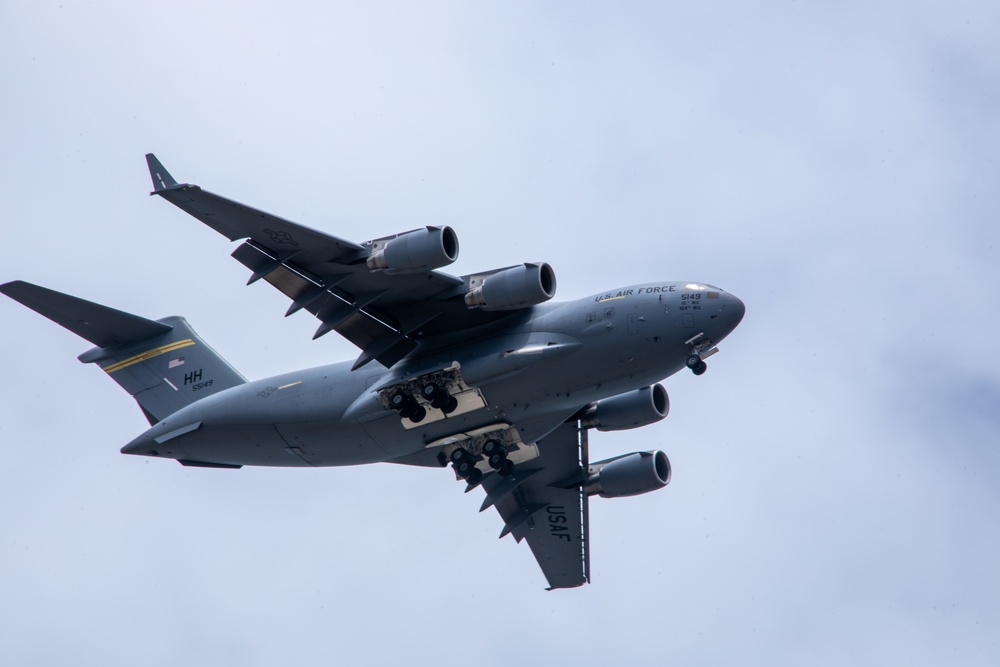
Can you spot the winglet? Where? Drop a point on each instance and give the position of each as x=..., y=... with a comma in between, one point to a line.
x=162, y=180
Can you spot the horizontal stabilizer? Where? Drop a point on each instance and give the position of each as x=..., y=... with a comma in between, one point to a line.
x=164, y=365
x=102, y=326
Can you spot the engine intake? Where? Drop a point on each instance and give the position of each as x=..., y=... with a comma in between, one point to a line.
x=419, y=250
x=629, y=410
x=628, y=475
x=512, y=288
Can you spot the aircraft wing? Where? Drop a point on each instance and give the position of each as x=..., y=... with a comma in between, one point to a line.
x=543, y=502
x=381, y=312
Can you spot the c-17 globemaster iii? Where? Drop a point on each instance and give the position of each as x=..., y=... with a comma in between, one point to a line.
x=481, y=373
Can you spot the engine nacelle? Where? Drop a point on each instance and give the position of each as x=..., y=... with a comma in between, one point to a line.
x=629, y=410
x=420, y=250
x=516, y=287
x=629, y=475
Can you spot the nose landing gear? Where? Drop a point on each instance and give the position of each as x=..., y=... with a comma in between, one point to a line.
x=701, y=349
x=696, y=364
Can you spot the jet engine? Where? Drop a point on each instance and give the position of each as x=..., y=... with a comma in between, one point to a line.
x=419, y=250
x=628, y=475
x=629, y=410
x=511, y=288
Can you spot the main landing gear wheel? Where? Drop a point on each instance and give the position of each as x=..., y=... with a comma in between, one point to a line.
x=398, y=401
x=492, y=446
x=495, y=452
x=465, y=467
x=407, y=407
x=448, y=404
x=506, y=469
x=439, y=398
x=415, y=413
x=475, y=477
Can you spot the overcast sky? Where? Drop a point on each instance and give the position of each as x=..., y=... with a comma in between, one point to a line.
x=836, y=485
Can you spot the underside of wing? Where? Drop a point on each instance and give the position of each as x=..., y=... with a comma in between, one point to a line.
x=543, y=501
x=383, y=295
x=381, y=314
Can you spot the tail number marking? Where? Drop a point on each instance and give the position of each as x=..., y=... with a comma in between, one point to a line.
x=194, y=379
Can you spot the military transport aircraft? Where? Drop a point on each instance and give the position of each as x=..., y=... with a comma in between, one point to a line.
x=480, y=372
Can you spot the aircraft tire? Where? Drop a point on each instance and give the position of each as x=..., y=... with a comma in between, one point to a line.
x=475, y=477
x=398, y=401
x=506, y=469
x=693, y=361
x=449, y=404
x=417, y=413
x=492, y=446
x=459, y=455
x=700, y=368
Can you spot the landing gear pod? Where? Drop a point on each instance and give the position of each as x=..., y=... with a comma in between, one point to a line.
x=420, y=250
x=512, y=288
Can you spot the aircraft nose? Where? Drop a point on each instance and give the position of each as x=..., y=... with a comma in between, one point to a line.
x=733, y=311
x=723, y=315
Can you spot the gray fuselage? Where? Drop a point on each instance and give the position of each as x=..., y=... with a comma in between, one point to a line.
x=534, y=370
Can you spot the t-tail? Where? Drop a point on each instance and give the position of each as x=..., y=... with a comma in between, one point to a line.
x=163, y=364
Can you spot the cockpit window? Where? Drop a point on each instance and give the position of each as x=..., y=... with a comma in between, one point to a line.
x=700, y=287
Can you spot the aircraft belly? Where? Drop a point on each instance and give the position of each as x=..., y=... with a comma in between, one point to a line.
x=238, y=444
x=336, y=443
x=295, y=420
